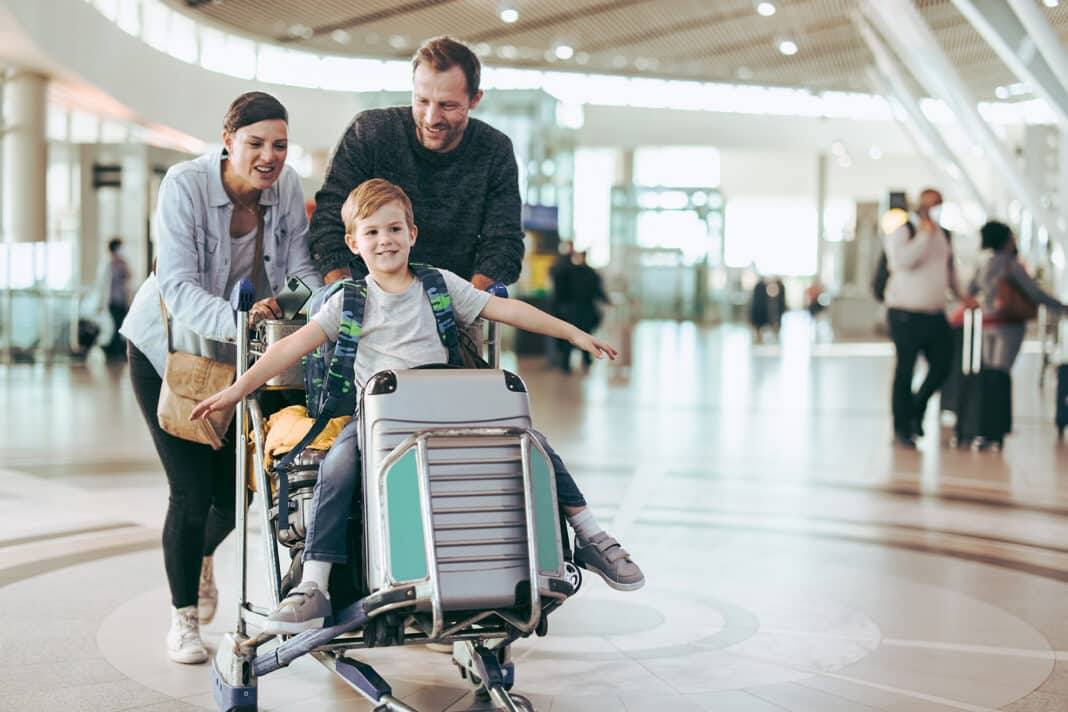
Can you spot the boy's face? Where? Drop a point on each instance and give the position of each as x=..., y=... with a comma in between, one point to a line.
x=384, y=240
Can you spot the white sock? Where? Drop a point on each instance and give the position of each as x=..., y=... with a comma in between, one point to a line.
x=585, y=525
x=317, y=572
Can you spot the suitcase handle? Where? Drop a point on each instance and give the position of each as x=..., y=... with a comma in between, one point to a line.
x=972, y=342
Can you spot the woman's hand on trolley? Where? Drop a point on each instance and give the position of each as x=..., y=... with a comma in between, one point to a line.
x=222, y=401
x=586, y=342
x=264, y=309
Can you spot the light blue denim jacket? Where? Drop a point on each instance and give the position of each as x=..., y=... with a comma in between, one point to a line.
x=192, y=225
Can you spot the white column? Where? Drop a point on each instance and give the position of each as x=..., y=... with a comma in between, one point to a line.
x=821, y=211
x=25, y=157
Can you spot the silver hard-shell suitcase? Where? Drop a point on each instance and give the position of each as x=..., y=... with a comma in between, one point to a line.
x=469, y=430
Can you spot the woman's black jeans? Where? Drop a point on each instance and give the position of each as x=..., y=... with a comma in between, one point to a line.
x=200, y=509
x=913, y=333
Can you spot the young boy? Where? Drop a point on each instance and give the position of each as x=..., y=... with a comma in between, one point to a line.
x=398, y=332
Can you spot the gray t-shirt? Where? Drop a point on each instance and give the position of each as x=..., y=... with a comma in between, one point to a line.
x=399, y=330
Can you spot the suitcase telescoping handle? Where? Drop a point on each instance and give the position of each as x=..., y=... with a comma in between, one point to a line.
x=972, y=342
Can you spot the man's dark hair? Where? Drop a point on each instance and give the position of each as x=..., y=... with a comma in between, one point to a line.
x=995, y=235
x=114, y=244
x=443, y=53
x=253, y=107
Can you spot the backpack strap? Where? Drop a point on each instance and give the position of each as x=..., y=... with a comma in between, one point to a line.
x=338, y=383
x=437, y=293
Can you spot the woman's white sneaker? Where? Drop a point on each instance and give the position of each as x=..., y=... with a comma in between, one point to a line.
x=183, y=639
x=208, y=597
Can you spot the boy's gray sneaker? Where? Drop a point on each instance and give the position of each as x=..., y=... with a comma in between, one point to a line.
x=305, y=608
x=603, y=555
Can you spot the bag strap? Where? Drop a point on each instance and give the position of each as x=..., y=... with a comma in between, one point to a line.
x=437, y=293
x=257, y=261
x=166, y=324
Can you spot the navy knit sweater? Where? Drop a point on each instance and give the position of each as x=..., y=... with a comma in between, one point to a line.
x=466, y=201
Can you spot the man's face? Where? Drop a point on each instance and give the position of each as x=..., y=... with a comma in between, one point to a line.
x=928, y=200
x=440, y=105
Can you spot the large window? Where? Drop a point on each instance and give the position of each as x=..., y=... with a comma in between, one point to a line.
x=595, y=170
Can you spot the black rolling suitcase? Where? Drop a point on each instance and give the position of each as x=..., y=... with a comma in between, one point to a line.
x=950, y=399
x=984, y=399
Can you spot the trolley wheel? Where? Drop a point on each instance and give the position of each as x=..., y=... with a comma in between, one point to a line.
x=522, y=703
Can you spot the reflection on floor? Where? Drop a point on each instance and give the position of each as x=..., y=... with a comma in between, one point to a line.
x=795, y=560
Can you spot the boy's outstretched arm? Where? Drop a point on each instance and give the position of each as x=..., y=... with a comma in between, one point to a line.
x=524, y=316
x=277, y=358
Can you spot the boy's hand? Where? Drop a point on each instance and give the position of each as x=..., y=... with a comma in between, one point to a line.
x=587, y=343
x=222, y=401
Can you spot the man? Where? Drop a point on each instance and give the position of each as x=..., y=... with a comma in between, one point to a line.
x=919, y=256
x=459, y=172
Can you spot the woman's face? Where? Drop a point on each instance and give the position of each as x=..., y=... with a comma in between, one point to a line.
x=257, y=152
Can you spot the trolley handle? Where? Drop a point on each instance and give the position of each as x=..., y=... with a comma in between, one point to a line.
x=493, y=329
x=972, y=341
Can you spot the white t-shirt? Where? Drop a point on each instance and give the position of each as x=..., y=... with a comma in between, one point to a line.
x=399, y=330
x=242, y=255
x=920, y=275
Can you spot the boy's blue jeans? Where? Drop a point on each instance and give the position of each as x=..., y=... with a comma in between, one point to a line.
x=338, y=475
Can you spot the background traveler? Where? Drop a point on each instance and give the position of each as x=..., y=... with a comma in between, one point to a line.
x=577, y=291
x=1003, y=333
x=921, y=273
x=114, y=284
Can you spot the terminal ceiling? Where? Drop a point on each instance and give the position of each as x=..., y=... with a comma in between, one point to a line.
x=703, y=40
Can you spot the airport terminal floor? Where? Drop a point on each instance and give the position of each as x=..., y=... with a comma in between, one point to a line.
x=795, y=560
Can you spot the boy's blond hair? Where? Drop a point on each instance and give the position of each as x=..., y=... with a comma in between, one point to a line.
x=368, y=197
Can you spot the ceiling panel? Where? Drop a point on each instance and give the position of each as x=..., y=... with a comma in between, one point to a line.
x=720, y=40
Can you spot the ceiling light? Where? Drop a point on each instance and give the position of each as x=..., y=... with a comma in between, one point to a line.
x=1001, y=93
x=766, y=9
x=564, y=51
x=507, y=13
x=340, y=36
x=788, y=47
x=1051, y=3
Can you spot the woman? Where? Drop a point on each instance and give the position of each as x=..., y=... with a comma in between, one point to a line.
x=207, y=222
x=1002, y=337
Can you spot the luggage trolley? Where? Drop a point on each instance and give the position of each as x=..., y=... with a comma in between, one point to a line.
x=459, y=531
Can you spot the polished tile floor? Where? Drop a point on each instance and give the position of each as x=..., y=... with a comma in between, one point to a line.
x=795, y=560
